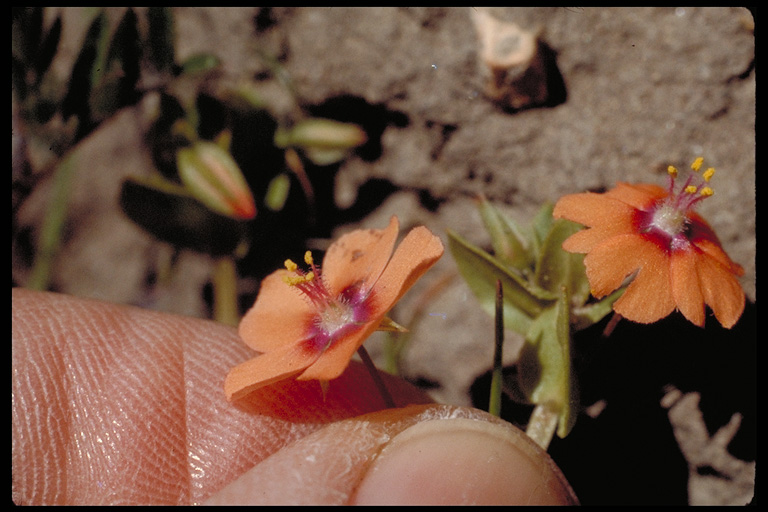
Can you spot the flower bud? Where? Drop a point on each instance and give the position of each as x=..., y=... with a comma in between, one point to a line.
x=213, y=177
x=321, y=134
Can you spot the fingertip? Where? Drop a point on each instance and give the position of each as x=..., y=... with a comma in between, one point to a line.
x=429, y=454
x=463, y=461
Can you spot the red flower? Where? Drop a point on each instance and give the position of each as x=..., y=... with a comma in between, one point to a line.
x=309, y=324
x=654, y=233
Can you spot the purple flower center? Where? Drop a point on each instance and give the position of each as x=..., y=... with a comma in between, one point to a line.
x=336, y=315
x=669, y=217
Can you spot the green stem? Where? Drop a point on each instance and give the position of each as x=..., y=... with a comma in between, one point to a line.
x=494, y=402
x=541, y=426
x=53, y=224
x=225, y=308
x=368, y=362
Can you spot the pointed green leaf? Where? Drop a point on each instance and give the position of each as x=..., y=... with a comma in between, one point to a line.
x=584, y=316
x=100, y=34
x=509, y=245
x=556, y=267
x=115, y=70
x=48, y=49
x=544, y=367
x=541, y=225
x=161, y=38
x=85, y=72
x=522, y=302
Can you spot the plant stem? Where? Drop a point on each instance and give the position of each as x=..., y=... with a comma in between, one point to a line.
x=494, y=401
x=612, y=323
x=53, y=223
x=541, y=426
x=368, y=362
x=225, y=291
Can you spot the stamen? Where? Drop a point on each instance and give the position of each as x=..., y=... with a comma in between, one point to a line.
x=671, y=215
x=308, y=258
x=291, y=266
x=298, y=279
x=696, y=165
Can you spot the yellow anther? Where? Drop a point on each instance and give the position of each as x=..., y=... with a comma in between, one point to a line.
x=706, y=192
x=308, y=258
x=290, y=266
x=691, y=189
x=672, y=171
x=708, y=174
x=696, y=165
x=295, y=280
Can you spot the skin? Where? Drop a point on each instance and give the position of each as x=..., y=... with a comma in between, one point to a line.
x=118, y=405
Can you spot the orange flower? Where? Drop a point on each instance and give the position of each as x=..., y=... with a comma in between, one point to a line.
x=308, y=325
x=677, y=257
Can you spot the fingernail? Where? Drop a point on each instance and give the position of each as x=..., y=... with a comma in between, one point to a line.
x=463, y=461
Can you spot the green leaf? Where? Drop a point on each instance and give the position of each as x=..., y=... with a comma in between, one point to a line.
x=584, y=316
x=245, y=98
x=319, y=133
x=544, y=367
x=277, y=192
x=86, y=72
x=115, y=72
x=541, y=225
x=161, y=38
x=509, y=245
x=48, y=49
x=199, y=64
x=522, y=301
x=26, y=33
x=557, y=268
x=323, y=156
x=175, y=217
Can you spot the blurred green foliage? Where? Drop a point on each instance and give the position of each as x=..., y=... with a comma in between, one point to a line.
x=210, y=172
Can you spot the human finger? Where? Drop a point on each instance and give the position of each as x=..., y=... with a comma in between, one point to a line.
x=115, y=404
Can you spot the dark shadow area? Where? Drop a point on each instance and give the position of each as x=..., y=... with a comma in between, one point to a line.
x=556, y=91
x=277, y=235
x=628, y=454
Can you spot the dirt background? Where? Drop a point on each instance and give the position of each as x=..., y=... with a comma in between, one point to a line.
x=633, y=90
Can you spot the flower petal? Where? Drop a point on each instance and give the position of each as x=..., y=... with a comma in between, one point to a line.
x=279, y=318
x=267, y=369
x=640, y=196
x=704, y=238
x=722, y=291
x=686, y=289
x=648, y=298
x=585, y=240
x=418, y=251
x=358, y=256
x=593, y=209
x=611, y=262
